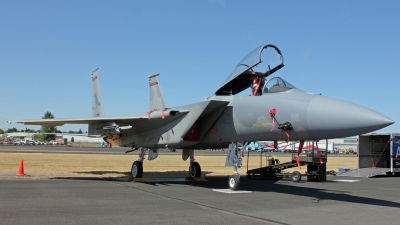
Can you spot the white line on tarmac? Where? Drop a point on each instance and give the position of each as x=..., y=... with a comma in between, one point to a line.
x=229, y=191
x=346, y=180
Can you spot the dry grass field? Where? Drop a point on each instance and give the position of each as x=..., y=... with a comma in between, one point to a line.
x=53, y=165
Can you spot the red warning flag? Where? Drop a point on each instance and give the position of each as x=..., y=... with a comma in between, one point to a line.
x=272, y=113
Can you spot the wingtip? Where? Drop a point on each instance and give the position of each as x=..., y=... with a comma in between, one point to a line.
x=154, y=75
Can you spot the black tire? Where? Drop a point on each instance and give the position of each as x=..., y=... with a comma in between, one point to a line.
x=249, y=176
x=295, y=176
x=137, y=169
x=234, y=180
x=397, y=174
x=389, y=174
x=194, y=170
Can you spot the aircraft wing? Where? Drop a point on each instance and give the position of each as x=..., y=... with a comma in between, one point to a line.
x=152, y=118
x=60, y=122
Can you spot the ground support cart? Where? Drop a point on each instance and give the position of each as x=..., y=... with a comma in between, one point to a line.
x=316, y=171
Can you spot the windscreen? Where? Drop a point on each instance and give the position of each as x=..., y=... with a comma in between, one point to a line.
x=277, y=84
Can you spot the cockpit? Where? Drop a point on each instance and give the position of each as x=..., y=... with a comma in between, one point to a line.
x=252, y=72
x=277, y=84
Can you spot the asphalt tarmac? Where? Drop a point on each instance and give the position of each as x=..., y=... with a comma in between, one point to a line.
x=102, y=201
x=80, y=201
x=340, y=200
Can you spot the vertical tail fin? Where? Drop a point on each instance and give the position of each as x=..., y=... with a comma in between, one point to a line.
x=97, y=102
x=156, y=98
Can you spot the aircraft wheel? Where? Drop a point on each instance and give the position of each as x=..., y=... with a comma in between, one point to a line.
x=137, y=169
x=234, y=180
x=389, y=174
x=194, y=170
x=249, y=176
x=397, y=174
x=296, y=176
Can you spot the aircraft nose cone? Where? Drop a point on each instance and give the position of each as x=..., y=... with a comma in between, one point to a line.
x=327, y=117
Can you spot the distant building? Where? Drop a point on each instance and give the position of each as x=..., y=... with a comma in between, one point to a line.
x=20, y=134
x=80, y=138
x=77, y=137
x=338, y=145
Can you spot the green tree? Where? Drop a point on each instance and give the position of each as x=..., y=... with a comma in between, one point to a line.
x=38, y=137
x=48, y=129
x=11, y=130
x=80, y=131
x=29, y=130
x=1, y=131
x=72, y=139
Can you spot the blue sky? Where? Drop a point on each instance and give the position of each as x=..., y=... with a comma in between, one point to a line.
x=347, y=50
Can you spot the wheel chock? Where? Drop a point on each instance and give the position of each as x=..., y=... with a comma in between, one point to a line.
x=141, y=179
x=196, y=179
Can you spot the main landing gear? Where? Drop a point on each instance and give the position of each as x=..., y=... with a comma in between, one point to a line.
x=137, y=169
x=194, y=170
x=194, y=167
x=137, y=166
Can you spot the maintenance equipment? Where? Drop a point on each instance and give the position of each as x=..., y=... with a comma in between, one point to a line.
x=314, y=159
x=378, y=153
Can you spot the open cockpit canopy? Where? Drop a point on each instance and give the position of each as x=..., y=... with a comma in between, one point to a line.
x=261, y=62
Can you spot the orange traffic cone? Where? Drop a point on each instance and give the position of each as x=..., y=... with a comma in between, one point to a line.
x=21, y=168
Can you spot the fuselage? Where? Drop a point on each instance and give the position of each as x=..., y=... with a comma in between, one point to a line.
x=247, y=118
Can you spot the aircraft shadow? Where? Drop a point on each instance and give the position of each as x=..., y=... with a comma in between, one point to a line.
x=286, y=187
x=146, y=174
x=255, y=185
x=103, y=172
x=123, y=176
x=321, y=194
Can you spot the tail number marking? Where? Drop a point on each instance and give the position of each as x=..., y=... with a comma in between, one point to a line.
x=154, y=83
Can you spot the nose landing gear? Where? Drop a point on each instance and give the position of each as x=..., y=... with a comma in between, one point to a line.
x=234, y=180
x=233, y=158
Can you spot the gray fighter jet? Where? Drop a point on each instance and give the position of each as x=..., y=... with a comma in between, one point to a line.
x=275, y=110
